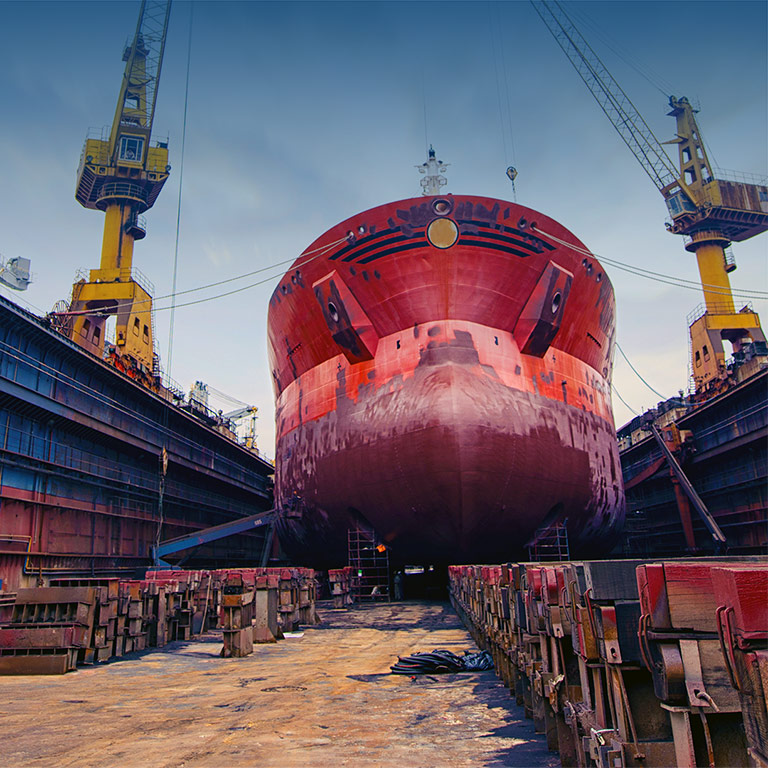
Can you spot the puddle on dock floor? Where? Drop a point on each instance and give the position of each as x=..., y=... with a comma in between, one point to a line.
x=325, y=699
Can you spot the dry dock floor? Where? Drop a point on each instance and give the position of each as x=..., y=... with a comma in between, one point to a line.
x=324, y=699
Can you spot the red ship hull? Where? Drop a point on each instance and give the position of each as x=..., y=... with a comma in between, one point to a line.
x=442, y=375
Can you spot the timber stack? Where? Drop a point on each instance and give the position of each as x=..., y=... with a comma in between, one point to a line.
x=627, y=662
x=53, y=629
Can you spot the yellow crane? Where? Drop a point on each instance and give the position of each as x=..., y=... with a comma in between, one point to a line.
x=122, y=175
x=711, y=212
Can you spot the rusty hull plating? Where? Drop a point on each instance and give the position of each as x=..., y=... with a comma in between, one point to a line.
x=443, y=376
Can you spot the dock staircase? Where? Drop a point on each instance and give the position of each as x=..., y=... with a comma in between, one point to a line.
x=369, y=560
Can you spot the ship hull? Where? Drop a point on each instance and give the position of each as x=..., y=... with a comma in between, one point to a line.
x=449, y=467
x=446, y=439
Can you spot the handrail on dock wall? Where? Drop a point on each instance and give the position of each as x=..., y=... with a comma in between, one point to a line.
x=20, y=537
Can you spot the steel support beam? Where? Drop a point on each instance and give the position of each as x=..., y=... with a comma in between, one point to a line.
x=206, y=535
x=714, y=529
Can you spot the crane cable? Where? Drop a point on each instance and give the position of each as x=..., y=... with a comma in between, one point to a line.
x=623, y=400
x=424, y=109
x=228, y=398
x=637, y=373
x=645, y=71
x=181, y=187
x=507, y=100
x=505, y=105
x=680, y=282
x=316, y=254
x=498, y=84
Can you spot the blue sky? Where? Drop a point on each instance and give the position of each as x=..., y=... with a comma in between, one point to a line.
x=302, y=114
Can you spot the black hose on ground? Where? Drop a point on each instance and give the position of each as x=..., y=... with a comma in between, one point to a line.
x=442, y=661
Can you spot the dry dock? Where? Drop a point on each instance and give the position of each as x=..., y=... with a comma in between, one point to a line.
x=325, y=698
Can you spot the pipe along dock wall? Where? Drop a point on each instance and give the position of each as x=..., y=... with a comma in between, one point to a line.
x=630, y=663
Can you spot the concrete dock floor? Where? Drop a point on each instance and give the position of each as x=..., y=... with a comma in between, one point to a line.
x=324, y=699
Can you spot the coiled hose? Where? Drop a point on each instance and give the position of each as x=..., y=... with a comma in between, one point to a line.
x=442, y=661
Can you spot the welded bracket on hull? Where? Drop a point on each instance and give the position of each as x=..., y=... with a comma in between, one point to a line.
x=542, y=314
x=349, y=325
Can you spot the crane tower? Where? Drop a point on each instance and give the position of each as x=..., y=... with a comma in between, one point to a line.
x=122, y=174
x=710, y=212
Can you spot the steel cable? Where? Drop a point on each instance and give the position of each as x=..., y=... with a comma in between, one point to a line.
x=169, y=362
x=679, y=282
x=318, y=253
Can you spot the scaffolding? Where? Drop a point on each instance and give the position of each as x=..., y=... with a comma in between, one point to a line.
x=370, y=566
x=549, y=543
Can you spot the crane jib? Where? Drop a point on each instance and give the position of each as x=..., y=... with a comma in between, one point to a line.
x=138, y=91
x=617, y=106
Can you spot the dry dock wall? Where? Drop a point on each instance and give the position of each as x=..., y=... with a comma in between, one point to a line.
x=630, y=663
x=84, y=481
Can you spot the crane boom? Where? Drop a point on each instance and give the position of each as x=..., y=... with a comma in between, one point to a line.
x=618, y=107
x=144, y=59
x=239, y=413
